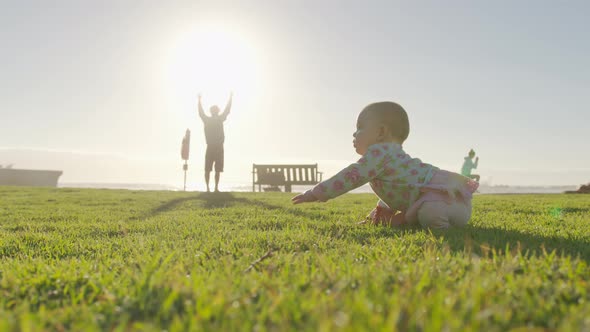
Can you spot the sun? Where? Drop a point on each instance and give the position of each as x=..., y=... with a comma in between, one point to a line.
x=214, y=62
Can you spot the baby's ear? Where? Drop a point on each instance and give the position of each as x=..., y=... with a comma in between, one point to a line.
x=382, y=131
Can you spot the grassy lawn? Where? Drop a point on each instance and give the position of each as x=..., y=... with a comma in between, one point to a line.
x=83, y=259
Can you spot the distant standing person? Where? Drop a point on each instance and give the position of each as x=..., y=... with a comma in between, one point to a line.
x=468, y=165
x=215, y=138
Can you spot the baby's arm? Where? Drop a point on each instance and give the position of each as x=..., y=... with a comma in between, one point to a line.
x=355, y=175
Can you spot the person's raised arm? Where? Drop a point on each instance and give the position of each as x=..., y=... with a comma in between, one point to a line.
x=201, y=111
x=227, y=107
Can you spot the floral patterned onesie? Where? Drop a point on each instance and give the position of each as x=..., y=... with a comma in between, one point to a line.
x=402, y=183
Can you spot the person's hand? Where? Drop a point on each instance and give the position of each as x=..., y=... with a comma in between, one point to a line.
x=476, y=159
x=199, y=97
x=231, y=94
x=306, y=197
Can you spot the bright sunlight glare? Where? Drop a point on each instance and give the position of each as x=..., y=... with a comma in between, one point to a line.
x=213, y=62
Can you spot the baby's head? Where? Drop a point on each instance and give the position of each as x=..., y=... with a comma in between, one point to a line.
x=214, y=110
x=380, y=122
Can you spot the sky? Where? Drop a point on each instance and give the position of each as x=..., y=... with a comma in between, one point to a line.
x=105, y=90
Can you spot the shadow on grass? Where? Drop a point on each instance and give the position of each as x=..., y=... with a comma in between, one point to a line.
x=575, y=210
x=482, y=240
x=218, y=200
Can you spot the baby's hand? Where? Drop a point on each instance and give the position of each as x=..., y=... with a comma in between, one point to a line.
x=306, y=197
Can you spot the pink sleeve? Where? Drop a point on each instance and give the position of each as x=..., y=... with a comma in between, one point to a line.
x=355, y=175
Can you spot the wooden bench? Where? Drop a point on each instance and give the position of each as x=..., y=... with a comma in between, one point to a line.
x=285, y=175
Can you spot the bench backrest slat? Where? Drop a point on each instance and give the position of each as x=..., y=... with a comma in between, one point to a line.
x=294, y=174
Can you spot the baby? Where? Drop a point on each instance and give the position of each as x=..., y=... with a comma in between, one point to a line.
x=410, y=191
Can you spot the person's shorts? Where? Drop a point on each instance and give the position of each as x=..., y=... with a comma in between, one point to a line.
x=214, y=155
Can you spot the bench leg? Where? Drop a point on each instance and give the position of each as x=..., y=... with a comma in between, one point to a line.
x=288, y=188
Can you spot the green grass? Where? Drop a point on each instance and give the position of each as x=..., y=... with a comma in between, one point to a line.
x=81, y=259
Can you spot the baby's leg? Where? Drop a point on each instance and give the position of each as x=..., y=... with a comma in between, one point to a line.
x=434, y=215
x=385, y=216
x=460, y=213
x=439, y=214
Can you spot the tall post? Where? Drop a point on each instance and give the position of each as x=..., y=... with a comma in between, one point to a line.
x=185, y=168
x=184, y=152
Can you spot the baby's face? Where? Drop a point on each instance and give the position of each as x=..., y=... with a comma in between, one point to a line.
x=366, y=134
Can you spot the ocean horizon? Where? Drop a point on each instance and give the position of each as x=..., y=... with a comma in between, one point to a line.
x=245, y=187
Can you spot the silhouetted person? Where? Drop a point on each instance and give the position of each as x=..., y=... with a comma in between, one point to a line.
x=214, y=137
x=468, y=165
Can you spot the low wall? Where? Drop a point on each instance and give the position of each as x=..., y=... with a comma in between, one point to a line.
x=26, y=177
